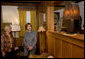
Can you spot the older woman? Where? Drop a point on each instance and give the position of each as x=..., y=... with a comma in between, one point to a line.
x=7, y=42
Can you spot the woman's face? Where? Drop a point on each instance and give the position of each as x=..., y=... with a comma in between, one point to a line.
x=9, y=29
x=29, y=27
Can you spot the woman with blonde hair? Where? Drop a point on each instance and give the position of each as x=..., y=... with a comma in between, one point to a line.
x=7, y=42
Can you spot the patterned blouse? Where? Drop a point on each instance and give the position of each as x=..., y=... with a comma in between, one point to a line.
x=7, y=42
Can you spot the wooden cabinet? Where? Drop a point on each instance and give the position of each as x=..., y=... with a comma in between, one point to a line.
x=42, y=42
x=62, y=46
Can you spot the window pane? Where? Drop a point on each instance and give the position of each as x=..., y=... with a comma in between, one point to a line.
x=10, y=14
x=44, y=17
x=28, y=17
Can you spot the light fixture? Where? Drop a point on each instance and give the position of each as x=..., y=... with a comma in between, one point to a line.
x=15, y=29
x=41, y=29
x=71, y=11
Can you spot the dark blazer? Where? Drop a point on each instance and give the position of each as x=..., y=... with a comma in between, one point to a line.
x=5, y=42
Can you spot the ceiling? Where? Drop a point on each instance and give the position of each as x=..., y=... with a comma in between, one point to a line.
x=57, y=4
x=25, y=3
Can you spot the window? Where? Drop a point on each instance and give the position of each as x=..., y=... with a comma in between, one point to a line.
x=44, y=17
x=28, y=17
x=10, y=14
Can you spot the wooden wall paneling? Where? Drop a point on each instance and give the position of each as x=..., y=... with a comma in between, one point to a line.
x=40, y=18
x=79, y=43
x=52, y=44
x=77, y=52
x=58, y=48
x=50, y=18
x=49, y=25
x=71, y=40
x=48, y=40
x=65, y=46
x=42, y=42
x=42, y=38
x=66, y=49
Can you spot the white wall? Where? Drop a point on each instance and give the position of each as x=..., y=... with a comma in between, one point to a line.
x=81, y=6
x=10, y=14
x=61, y=15
x=61, y=12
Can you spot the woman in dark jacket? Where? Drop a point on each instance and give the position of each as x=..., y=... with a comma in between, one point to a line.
x=7, y=43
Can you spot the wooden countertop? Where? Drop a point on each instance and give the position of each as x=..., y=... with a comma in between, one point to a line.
x=75, y=36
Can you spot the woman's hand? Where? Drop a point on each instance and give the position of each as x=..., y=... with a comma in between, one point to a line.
x=3, y=54
x=30, y=48
x=9, y=50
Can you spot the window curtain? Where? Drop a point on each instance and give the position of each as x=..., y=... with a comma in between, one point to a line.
x=22, y=22
x=33, y=20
